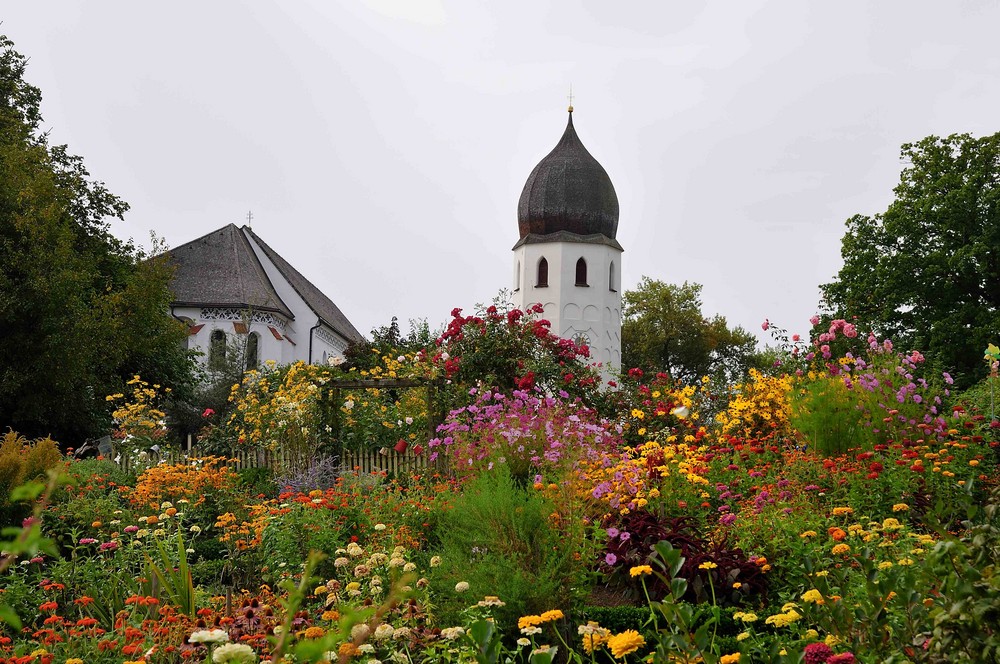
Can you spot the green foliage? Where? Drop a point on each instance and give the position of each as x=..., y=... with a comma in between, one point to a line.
x=499, y=539
x=258, y=482
x=966, y=618
x=826, y=413
x=664, y=330
x=926, y=272
x=80, y=310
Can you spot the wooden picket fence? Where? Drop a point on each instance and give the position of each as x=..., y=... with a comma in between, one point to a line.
x=283, y=461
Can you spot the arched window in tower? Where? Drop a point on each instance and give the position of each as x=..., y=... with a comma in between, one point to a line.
x=611, y=278
x=581, y=272
x=217, y=350
x=543, y=273
x=253, y=350
x=517, y=277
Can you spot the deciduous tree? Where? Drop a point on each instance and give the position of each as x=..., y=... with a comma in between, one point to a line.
x=664, y=330
x=926, y=272
x=80, y=311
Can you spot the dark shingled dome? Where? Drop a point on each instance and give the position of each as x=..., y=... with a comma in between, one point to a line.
x=568, y=191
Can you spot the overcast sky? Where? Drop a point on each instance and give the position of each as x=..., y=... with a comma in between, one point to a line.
x=382, y=144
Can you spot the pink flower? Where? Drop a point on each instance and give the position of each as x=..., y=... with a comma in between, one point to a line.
x=88, y=540
x=766, y=324
x=208, y=412
x=795, y=337
x=814, y=320
x=850, y=331
x=108, y=546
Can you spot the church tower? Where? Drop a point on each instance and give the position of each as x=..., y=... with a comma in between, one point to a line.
x=567, y=258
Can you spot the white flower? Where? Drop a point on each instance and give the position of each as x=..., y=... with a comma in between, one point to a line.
x=234, y=652
x=436, y=561
x=341, y=562
x=462, y=586
x=366, y=648
x=409, y=420
x=195, y=529
x=681, y=412
x=410, y=567
x=336, y=360
x=445, y=356
x=349, y=404
x=401, y=358
x=452, y=633
x=379, y=526
x=401, y=633
x=209, y=636
x=383, y=632
x=360, y=632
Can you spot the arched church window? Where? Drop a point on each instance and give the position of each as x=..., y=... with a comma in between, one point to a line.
x=611, y=278
x=217, y=350
x=253, y=350
x=517, y=277
x=581, y=272
x=543, y=273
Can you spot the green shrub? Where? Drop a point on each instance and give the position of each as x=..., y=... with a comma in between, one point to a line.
x=500, y=538
x=258, y=482
x=826, y=413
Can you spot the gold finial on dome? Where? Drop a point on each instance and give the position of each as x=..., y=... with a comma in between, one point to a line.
x=570, y=97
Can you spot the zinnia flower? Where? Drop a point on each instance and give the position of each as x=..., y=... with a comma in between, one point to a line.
x=209, y=636
x=640, y=570
x=627, y=642
x=233, y=652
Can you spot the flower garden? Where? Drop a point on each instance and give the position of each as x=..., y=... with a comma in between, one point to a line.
x=838, y=507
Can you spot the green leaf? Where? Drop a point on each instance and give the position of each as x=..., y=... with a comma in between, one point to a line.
x=9, y=616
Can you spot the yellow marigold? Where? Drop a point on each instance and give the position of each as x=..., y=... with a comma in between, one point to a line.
x=900, y=507
x=814, y=596
x=627, y=642
x=347, y=649
x=730, y=659
x=331, y=615
x=640, y=570
x=842, y=511
x=841, y=549
x=529, y=621
x=314, y=632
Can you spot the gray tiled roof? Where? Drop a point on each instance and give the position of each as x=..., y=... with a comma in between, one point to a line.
x=221, y=270
x=323, y=306
x=568, y=191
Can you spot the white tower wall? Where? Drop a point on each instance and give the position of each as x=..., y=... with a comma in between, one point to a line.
x=593, y=309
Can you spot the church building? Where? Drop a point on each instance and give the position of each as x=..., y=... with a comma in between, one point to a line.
x=236, y=292
x=567, y=258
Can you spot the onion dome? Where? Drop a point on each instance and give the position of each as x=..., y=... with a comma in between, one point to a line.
x=568, y=192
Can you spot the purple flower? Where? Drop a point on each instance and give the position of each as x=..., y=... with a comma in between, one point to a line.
x=612, y=533
x=727, y=519
x=611, y=559
x=625, y=537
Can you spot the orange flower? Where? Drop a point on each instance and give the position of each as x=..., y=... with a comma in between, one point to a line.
x=837, y=534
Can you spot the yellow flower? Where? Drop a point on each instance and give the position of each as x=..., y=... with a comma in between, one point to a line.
x=808, y=533
x=831, y=640
x=554, y=614
x=900, y=507
x=627, y=642
x=813, y=596
x=841, y=549
x=529, y=621
x=783, y=619
x=707, y=565
x=737, y=585
x=885, y=564
x=841, y=511
x=730, y=659
x=905, y=561
x=640, y=570
x=742, y=635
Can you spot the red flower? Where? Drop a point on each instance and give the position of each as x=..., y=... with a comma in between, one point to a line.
x=817, y=653
x=208, y=412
